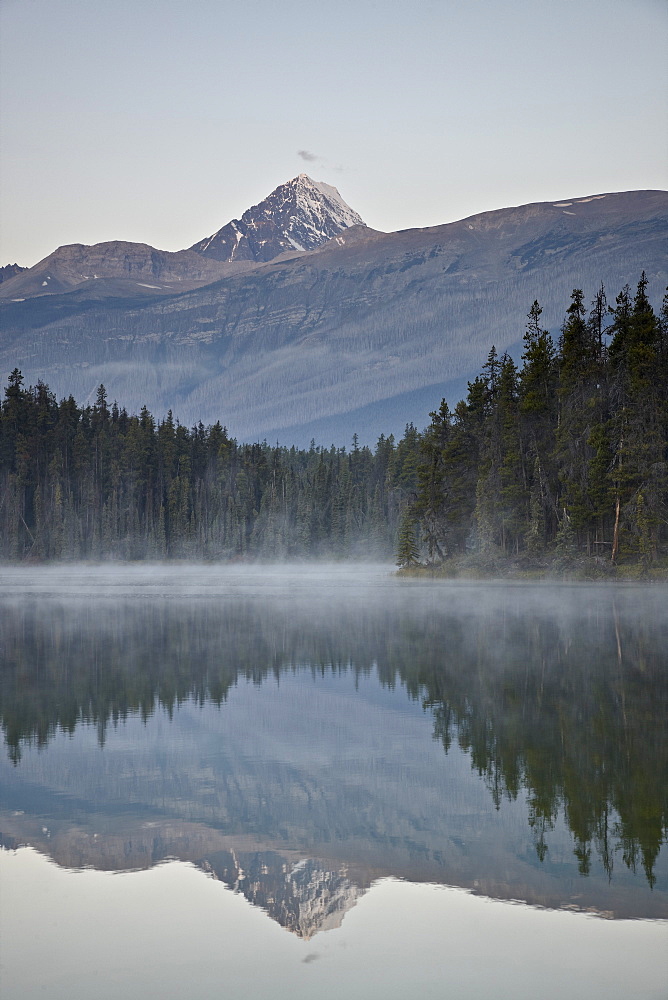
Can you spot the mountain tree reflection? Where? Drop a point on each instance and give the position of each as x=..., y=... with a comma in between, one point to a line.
x=569, y=708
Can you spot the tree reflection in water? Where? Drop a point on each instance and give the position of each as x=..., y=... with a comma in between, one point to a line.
x=568, y=701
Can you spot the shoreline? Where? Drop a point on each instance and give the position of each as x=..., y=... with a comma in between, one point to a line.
x=575, y=572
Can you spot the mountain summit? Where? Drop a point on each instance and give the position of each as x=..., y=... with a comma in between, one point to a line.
x=301, y=214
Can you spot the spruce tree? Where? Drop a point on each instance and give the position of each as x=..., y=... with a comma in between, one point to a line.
x=407, y=549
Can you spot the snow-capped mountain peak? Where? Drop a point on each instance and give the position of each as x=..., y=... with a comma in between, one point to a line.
x=301, y=214
x=314, y=196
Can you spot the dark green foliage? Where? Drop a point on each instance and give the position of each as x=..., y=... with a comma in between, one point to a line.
x=566, y=457
x=96, y=483
x=408, y=549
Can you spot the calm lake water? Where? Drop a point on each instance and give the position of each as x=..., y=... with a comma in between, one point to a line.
x=326, y=781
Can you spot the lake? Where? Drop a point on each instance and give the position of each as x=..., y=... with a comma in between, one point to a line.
x=326, y=781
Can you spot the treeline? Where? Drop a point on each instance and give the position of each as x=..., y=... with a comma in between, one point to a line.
x=561, y=459
x=94, y=482
x=564, y=457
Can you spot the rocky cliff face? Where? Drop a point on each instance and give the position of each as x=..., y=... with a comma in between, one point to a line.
x=299, y=215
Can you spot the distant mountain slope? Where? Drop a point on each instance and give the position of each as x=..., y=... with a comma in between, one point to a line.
x=368, y=326
x=10, y=271
x=299, y=215
x=139, y=265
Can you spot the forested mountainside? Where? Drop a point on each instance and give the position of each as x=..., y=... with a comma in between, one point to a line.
x=361, y=334
x=565, y=458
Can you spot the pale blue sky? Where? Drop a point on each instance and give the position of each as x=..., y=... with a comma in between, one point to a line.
x=160, y=121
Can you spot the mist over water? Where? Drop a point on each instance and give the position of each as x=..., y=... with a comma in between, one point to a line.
x=179, y=580
x=300, y=732
x=313, y=581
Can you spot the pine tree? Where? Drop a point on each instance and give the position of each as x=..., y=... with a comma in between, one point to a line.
x=638, y=437
x=407, y=550
x=538, y=409
x=579, y=392
x=430, y=506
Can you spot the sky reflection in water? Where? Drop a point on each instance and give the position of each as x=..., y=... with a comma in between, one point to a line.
x=303, y=735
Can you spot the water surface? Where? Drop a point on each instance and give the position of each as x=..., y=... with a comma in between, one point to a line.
x=379, y=786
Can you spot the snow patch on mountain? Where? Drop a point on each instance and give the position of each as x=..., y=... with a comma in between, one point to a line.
x=301, y=214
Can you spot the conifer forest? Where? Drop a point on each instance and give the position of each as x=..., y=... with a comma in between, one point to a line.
x=560, y=460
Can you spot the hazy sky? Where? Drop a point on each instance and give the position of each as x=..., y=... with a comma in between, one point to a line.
x=160, y=120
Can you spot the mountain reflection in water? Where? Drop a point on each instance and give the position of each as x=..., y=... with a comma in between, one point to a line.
x=299, y=741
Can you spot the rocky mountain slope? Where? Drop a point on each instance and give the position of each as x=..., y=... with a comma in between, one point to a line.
x=138, y=267
x=10, y=271
x=299, y=215
x=362, y=334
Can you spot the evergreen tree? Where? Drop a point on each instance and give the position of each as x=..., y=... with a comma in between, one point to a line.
x=407, y=550
x=538, y=411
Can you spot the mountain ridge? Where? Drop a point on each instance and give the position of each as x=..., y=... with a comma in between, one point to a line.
x=71, y=266
x=364, y=324
x=298, y=216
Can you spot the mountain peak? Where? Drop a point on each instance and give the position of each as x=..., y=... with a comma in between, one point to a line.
x=300, y=214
